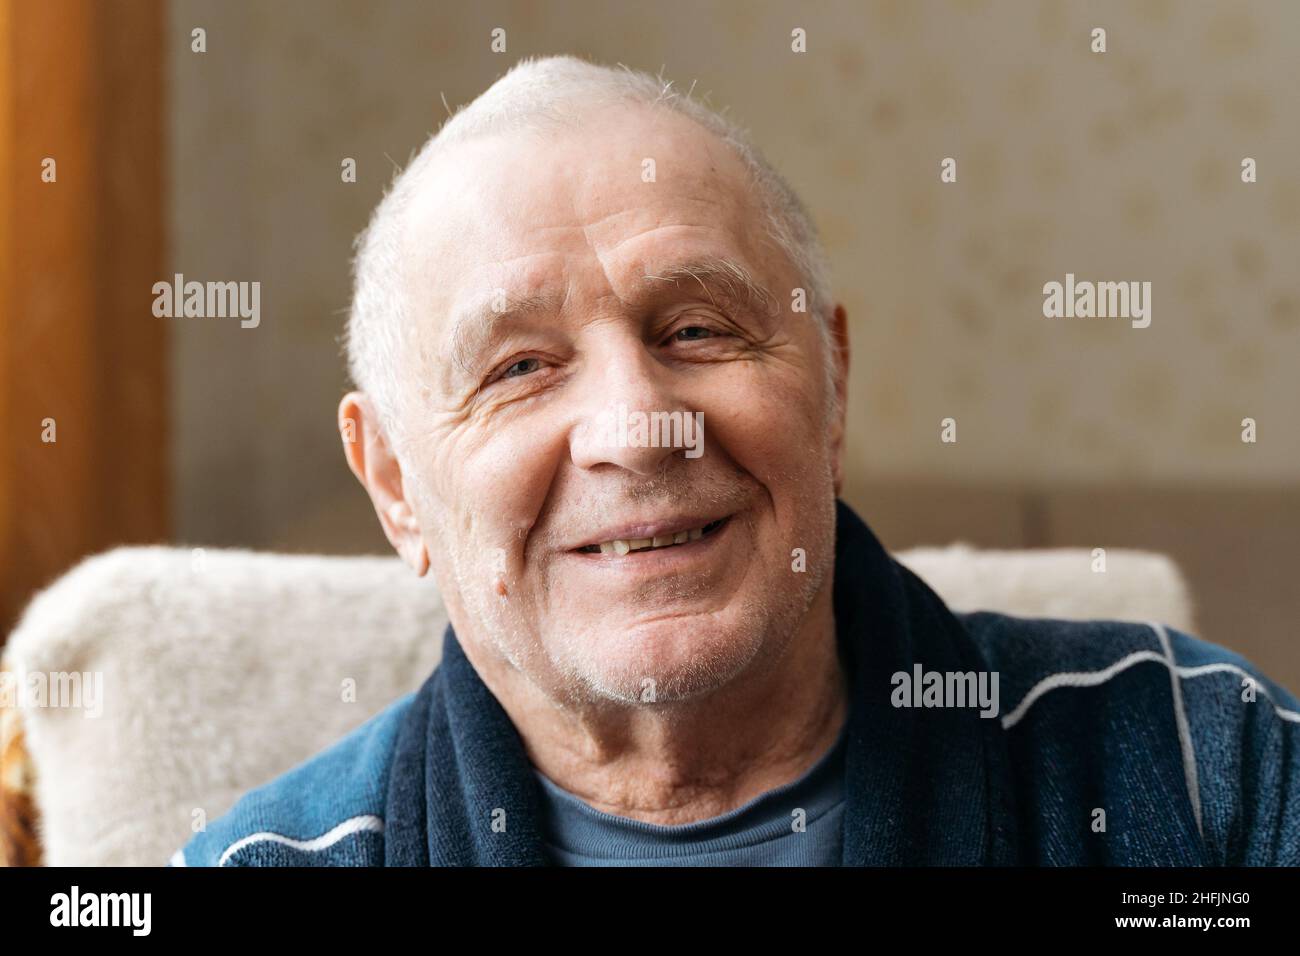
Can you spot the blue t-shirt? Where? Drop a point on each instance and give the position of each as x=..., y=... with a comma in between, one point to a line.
x=799, y=824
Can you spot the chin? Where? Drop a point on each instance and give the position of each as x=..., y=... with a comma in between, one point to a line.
x=665, y=660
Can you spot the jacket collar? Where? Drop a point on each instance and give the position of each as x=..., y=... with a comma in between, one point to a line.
x=923, y=787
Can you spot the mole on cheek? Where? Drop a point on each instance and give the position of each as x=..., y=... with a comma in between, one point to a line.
x=501, y=587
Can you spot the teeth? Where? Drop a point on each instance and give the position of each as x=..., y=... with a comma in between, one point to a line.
x=623, y=546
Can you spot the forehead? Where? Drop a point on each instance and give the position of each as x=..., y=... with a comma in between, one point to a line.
x=591, y=209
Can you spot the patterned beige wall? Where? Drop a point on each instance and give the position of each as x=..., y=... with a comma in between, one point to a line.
x=1115, y=166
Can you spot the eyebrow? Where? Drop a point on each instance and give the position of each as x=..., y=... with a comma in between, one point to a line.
x=724, y=281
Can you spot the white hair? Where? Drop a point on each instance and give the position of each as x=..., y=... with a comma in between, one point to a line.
x=545, y=93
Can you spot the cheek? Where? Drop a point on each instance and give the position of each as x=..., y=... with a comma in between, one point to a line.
x=773, y=427
x=489, y=492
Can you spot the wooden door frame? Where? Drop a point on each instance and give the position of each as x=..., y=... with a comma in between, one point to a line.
x=82, y=83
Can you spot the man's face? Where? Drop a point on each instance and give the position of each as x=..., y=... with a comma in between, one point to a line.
x=537, y=277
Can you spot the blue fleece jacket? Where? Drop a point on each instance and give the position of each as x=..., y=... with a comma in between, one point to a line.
x=1112, y=743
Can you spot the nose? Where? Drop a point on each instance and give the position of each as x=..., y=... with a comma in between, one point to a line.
x=630, y=407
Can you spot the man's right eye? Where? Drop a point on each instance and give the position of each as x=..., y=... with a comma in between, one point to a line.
x=522, y=367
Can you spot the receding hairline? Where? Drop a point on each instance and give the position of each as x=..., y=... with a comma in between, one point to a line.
x=416, y=177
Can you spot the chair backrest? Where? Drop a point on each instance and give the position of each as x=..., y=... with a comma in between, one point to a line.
x=204, y=674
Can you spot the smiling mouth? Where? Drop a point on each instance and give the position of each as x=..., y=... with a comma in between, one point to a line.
x=622, y=546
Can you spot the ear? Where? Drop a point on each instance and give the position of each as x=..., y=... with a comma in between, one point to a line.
x=372, y=460
x=840, y=343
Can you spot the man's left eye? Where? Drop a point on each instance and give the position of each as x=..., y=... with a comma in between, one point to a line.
x=692, y=332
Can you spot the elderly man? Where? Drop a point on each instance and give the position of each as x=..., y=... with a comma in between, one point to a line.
x=602, y=390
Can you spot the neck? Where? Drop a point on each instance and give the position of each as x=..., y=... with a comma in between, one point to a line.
x=693, y=759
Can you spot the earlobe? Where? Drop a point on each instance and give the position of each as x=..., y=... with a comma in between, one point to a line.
x=403, y=531
x=415, y=554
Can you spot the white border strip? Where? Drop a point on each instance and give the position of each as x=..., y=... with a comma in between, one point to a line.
x=1076, y=679
x=1223, y=667
x=1092, y=678
x=1184, y=732
x=346, y=828
x=1176, y=675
